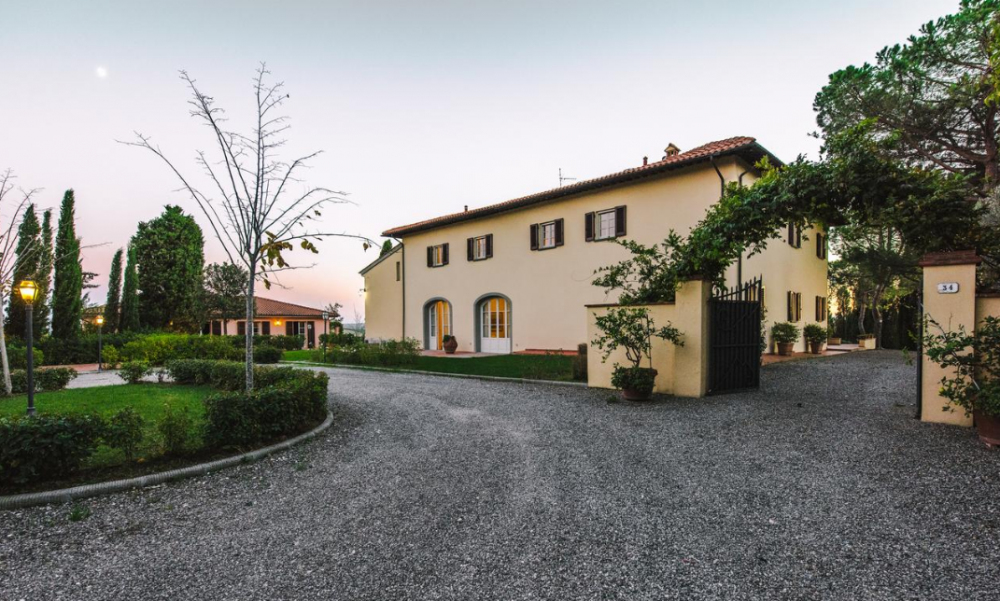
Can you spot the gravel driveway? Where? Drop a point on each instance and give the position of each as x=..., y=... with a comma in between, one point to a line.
x=819, y=486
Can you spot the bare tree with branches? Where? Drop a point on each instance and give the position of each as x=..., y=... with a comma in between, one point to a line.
x=9, y=226
x=253, y=211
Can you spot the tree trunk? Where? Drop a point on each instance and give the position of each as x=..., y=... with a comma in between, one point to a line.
x=861, y=308
x=249, y=329
x=7, y=385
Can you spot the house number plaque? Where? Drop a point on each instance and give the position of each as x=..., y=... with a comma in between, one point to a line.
x=948, y=288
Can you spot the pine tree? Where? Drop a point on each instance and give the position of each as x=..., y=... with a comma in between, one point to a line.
x=43, y=302
x=169, y=260
x=26, y=268
x=67, y=303
x=112, y=306
x=129, y=320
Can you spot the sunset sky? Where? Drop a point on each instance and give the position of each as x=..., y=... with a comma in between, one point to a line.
x=420, y=107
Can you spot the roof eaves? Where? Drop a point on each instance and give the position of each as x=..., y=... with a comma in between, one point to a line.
x=374, y=263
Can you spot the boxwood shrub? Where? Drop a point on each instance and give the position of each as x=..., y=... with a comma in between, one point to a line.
x=46, y=446
x=241, y=419
x=47, y=379
x=17, y=357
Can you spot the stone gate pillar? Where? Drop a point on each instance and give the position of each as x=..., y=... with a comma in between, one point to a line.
x=949, y=293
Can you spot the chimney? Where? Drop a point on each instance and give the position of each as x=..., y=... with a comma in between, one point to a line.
x=671, y=151
x=645, y=161
x=466, y=208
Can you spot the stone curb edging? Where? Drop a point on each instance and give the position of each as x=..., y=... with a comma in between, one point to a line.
x=436, y=373
x=90, y=490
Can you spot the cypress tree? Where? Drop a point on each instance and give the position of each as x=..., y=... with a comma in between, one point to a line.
x=67, y=302
x=25, y=268
x=43, y=302
x=129, y=319
x=113, y=304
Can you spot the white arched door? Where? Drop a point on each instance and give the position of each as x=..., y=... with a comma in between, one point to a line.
x=438, y=324
x=494, y=316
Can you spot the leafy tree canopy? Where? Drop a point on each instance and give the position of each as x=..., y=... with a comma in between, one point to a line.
x=170, y=256
x=225, y=291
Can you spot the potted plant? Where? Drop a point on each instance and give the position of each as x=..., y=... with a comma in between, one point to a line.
x=785, y=336
x=832, y=337
x=866, y=342
x=815, y=335
x=449, y=343
x=974, y=380
x=632, y=329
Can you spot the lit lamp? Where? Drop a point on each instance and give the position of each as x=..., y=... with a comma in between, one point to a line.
x=28, y=291
x=326, y=332
x=99, y=320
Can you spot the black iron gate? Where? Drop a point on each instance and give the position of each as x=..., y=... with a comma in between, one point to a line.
x=735, y=338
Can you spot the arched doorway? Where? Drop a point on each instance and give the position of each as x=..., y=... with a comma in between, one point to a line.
x=493, y=325
x=437, y=323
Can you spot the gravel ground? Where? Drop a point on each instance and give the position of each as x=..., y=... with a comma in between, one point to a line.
x=819, y=486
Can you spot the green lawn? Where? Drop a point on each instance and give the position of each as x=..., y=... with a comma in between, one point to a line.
x=534, y=367
x=150, y=400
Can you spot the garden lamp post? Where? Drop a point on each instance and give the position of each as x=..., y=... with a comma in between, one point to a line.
x=28, y=292
x=100, y=328
x=326, y=332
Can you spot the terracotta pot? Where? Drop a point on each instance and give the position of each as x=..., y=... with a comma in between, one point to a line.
x=785, y=348
x=830, y=341
x=631, y=394
x=816, y=348
x=450, y=346
x=988, y=427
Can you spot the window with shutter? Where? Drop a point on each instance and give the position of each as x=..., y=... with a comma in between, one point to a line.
x=267, y=328
x=241, y=328
x=437, y=256
x=546, y=235
x=481, y=248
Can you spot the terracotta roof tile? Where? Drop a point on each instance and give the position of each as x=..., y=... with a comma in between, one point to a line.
x=267, y=307
x=741, y=145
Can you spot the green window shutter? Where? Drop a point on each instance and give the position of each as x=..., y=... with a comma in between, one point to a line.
x=559, y=232
x=533, y=231
x=588, y=227
x=620, y=221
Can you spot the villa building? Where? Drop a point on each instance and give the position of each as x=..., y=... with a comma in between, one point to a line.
x=277, y=318
x=528, y=265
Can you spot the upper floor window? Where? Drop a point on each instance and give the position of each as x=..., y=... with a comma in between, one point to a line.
x=480, y=248
x=605, y=225
x=794, y=236
x=821, y=308
x=437, y=256
x=546, y=235
x=821, y=245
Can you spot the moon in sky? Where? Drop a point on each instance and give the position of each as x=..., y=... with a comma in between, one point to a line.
x=102, y=72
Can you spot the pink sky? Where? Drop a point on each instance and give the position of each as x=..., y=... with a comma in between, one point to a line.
x=421, y=108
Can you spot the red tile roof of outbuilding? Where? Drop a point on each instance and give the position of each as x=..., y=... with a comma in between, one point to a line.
x=267, y=307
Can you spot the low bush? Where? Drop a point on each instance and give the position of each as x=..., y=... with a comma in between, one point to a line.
x=46, y=446
x=175, y=428
x=134, y=371
x=341, y=339
x=814, y=333
x=47, y=379
x=284, y=343
x=110, y=357
x=240, y=419
x=785, y=332
x=227, y=376
x=17, y=357
x=124, y=432
x=267, y=354
x=157, y=349
x=388, y=353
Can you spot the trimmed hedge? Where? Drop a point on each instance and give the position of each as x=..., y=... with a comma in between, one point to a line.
x=284, y=343
x=46, y=379
x=228, y=376
x=157, y=349
x=17, y=357
x=46, y=446
x=240, y=419
x=267, y=354
x=80, y=350
x=388, y=353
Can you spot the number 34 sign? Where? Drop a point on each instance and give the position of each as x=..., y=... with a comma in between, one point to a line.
x=947, y=288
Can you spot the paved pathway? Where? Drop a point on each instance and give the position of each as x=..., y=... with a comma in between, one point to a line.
x=819, y=486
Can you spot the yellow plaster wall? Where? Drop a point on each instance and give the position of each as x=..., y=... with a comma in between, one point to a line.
x=683, y=370
x=951, y=311
x=384, y=300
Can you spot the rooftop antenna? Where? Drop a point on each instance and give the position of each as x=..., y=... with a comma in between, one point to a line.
x=564, y=179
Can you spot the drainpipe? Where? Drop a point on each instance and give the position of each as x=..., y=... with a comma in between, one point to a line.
x=402, y=277
x=722, y=193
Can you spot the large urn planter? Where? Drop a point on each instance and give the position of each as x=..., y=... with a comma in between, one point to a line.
x=785, y=348
x=988, y=427
x=785, y=335
x=450, y=345
x=816, y=348
x=815, y=335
